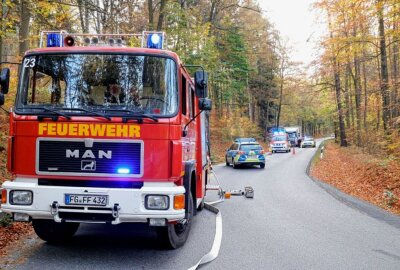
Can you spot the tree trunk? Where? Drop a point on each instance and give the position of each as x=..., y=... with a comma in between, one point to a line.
x=357, y=88
x=98, y=19
x=336, y=77
x=151, y=14
x=347, y=95
x=3, y=11
x=395, y=72
x=280, y=103
x=342, y=130
x=384, y=86
x=24, y=27
x=365, y=93
x=81, y=15
x=161, y=15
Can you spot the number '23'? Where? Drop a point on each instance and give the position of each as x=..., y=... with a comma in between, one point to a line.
x=29, y=62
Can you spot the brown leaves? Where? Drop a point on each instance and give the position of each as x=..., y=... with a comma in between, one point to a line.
x=9, y=235
x=361, y=175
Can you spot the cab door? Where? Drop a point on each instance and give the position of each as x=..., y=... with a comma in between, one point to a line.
x=185, y=118
x=232, y=151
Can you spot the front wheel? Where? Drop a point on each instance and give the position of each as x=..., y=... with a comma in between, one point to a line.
x=53, y=232
x=226, y=161
x=174, y=236
x=201, y=205
x=262, y=165
x=234, y=164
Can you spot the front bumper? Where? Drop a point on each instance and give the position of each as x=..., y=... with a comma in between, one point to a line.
x=124, y=204
x=280, y=148
x=308, y=145
x=244, y=159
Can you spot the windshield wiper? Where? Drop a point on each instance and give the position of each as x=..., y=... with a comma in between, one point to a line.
x=137, y=115
x=88, y=111
x=41, y=117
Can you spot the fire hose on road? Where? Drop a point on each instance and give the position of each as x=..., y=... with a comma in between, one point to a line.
x=214, y=251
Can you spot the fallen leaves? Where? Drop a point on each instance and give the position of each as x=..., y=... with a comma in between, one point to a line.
x=373, y=179
x=12, y=233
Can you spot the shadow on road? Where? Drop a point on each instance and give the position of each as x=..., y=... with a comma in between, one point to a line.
x=133, y=236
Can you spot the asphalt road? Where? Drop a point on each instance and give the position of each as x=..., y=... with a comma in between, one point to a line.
x=292, y=223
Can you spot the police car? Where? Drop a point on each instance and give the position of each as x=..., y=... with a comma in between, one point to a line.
x=245, y=151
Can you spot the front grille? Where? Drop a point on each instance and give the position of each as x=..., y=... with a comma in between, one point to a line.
x=97, y=158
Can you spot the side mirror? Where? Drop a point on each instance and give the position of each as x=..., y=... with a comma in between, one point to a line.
x=201, y=81
x=5, y=80
x=205, y=104
x=1, y=99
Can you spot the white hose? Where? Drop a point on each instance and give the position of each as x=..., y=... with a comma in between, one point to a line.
x=214, y=251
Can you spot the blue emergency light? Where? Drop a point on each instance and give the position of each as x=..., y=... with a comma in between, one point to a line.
x=54, y=40
x=123, y=170
x=155, y=41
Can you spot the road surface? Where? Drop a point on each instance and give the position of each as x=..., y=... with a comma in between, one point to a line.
x=292, y=223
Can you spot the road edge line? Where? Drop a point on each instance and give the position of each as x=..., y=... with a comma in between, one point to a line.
x=358, y=204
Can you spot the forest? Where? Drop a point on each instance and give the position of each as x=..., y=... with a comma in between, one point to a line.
x=353, y=90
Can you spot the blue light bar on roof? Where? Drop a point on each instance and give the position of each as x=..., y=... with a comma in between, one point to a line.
x=155, y=41
x=54, y=40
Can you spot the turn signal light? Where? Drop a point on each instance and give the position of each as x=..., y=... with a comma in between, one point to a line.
x=4, y=196
x=227, y=195
x=179, y=202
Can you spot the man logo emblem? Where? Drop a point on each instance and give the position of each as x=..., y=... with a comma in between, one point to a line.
x=88, y=165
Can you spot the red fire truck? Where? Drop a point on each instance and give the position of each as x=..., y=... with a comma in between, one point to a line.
x=102, y=132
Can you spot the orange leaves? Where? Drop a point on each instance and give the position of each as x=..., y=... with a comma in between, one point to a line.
x=10, y=234
x=361, y=175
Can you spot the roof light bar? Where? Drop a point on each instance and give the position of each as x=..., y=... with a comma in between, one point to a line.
x=148, y=39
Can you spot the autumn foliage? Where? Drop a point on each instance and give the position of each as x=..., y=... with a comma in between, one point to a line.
x=376, y=180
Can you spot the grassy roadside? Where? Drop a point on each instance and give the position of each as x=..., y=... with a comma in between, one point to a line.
x=370, y=178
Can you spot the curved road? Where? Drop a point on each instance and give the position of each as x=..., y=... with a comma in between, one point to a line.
x=292, y=223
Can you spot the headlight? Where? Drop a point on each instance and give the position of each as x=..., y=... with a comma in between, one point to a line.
x=21, y=197
x=157, y=202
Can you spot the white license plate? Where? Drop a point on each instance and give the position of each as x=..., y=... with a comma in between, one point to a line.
x=253, y=156
x=86, y=199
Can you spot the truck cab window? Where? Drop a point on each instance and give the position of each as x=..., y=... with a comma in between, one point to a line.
x=44, y=88
x=184, y=96
x=192, y=102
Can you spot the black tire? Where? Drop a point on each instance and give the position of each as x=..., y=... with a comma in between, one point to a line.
x=53, y=232
x=262, y=165
x=174, y=236
x=201, y=205
x=234, y=164
x=226, y=161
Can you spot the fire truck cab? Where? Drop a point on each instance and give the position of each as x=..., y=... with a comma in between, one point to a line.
x=106, y=133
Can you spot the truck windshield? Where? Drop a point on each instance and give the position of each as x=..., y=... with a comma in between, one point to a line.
x=279, y=138
x=114, y=84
